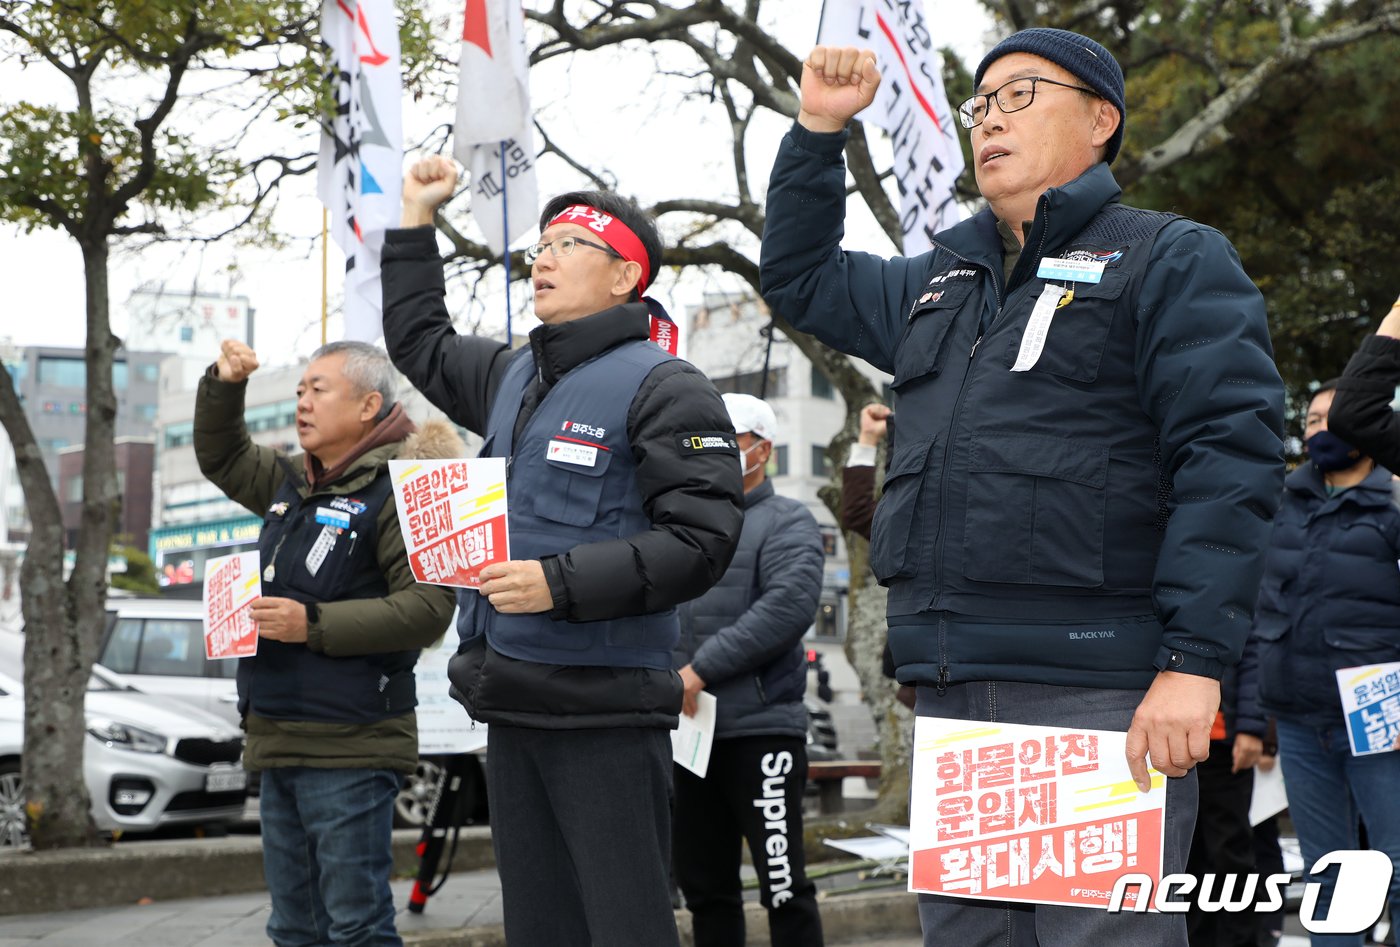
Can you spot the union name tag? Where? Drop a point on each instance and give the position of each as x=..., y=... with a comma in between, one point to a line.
x=1037, y=328
x=324, y=544
x=1070, y=271
x=329, y=517
x=580, y=455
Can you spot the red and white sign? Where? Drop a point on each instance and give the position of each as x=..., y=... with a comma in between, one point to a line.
x=1035, y=814
x=453, y=517
x=231, y=585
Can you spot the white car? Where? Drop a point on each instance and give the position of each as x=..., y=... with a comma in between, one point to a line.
x=157, y=647
x=148, y=762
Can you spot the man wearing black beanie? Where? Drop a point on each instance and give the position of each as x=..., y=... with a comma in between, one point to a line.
x=1089, y=448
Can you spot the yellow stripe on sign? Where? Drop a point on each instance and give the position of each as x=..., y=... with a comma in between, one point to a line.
x=1361, y=677
x=409, y=472
x=252, y=581
x=1118, y=793
x=958, y=736
x=494, y=494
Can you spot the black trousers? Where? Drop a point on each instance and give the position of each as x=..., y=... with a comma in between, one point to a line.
x=752, y=790
x=1223, y=843
x=581, y=824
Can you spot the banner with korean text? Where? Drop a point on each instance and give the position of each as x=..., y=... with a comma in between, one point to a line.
x=495, y=134
x=1371, y=705
x=360, y=170
x=910, y=106
x=1036, y=814
x=231, y=585
x=453, y=517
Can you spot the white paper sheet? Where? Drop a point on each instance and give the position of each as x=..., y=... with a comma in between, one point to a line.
x=692, y=740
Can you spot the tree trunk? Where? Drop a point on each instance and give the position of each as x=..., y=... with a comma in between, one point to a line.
x=64, y=621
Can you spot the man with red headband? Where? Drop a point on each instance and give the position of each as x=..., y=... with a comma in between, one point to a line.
x=625, y=500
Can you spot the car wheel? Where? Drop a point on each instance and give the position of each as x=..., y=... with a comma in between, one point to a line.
x=13, y=830
x=414, y=805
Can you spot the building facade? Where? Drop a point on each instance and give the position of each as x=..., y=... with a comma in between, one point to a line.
x=726, y=338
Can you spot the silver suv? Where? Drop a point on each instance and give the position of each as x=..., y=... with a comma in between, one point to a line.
x=148, y=762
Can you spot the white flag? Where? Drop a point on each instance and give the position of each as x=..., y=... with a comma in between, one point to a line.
x=493, y=119
x=910, y=106
x=361, y=165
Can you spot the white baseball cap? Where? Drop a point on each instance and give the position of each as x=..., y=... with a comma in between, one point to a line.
x=751, y=415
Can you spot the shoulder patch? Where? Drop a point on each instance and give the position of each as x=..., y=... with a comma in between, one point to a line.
x=707, y=442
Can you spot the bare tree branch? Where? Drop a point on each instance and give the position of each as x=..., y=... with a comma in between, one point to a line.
x=1210, y=120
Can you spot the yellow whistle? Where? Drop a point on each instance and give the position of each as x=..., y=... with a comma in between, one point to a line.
x=1066, y=299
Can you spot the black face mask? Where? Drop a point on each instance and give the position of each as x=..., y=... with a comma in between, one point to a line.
x=1329, y=452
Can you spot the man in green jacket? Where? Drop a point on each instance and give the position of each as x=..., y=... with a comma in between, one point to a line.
x=328, y=699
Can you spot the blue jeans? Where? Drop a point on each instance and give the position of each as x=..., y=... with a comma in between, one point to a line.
x=1327, y=789
x=327, y=856
x=971, y=923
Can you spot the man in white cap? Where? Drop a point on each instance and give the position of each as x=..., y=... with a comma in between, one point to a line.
x=741, y=641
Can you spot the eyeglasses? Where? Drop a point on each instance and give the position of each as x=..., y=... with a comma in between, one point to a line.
x=564, y=246
x=1011, y=97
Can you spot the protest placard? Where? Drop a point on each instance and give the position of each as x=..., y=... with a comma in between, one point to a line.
x=453, y=517
x=231, y=585
x=1371, y=705
x=1034, y=814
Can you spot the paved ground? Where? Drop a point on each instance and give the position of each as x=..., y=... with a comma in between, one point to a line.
x=469, y=900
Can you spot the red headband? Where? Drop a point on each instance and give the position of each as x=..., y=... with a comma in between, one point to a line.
x=615, y=234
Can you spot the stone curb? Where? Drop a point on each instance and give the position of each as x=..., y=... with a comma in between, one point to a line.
x=846, y=919
x=73, y=879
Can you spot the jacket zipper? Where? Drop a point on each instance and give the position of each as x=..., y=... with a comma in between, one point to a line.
x=948, y=441
x=1043, y=213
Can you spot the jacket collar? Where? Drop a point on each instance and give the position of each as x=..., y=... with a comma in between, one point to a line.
x=759, y=493
x=1061, y=214
x=1375, y=490
x=560, y=348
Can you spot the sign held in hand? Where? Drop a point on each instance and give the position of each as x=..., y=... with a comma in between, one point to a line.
x=231, y=585
x=453, y=517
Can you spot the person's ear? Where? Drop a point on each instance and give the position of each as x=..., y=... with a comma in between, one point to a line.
x=626, y=278
x=1106, y=122
x=761, y=452
x=370, y=407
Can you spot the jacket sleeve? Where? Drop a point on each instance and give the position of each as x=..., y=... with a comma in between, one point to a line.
x=459, y=374
x=248, y=475
x=693, y=501
x=412, y=616
x=789, y=581
x=854, y=302
x=1207, y=378
x=1361, y=414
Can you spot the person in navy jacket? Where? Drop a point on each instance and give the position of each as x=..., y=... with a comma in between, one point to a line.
x=1330, y=600
x=1089, y=446
x=624, y=501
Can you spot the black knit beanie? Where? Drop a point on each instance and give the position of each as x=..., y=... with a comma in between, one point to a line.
x=1087, y=60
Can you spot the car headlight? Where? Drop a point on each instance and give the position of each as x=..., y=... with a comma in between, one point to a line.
x=124, y=736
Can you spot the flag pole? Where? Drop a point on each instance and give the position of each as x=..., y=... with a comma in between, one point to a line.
x=505, y=236
x=325, y=230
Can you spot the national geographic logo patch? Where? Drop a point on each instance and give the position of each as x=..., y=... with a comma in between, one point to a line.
x=707, y=442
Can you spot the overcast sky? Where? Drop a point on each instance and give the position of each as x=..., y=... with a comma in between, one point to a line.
x=42, y=272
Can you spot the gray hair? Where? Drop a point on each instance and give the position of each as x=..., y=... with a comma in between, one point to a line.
x=368, y=369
